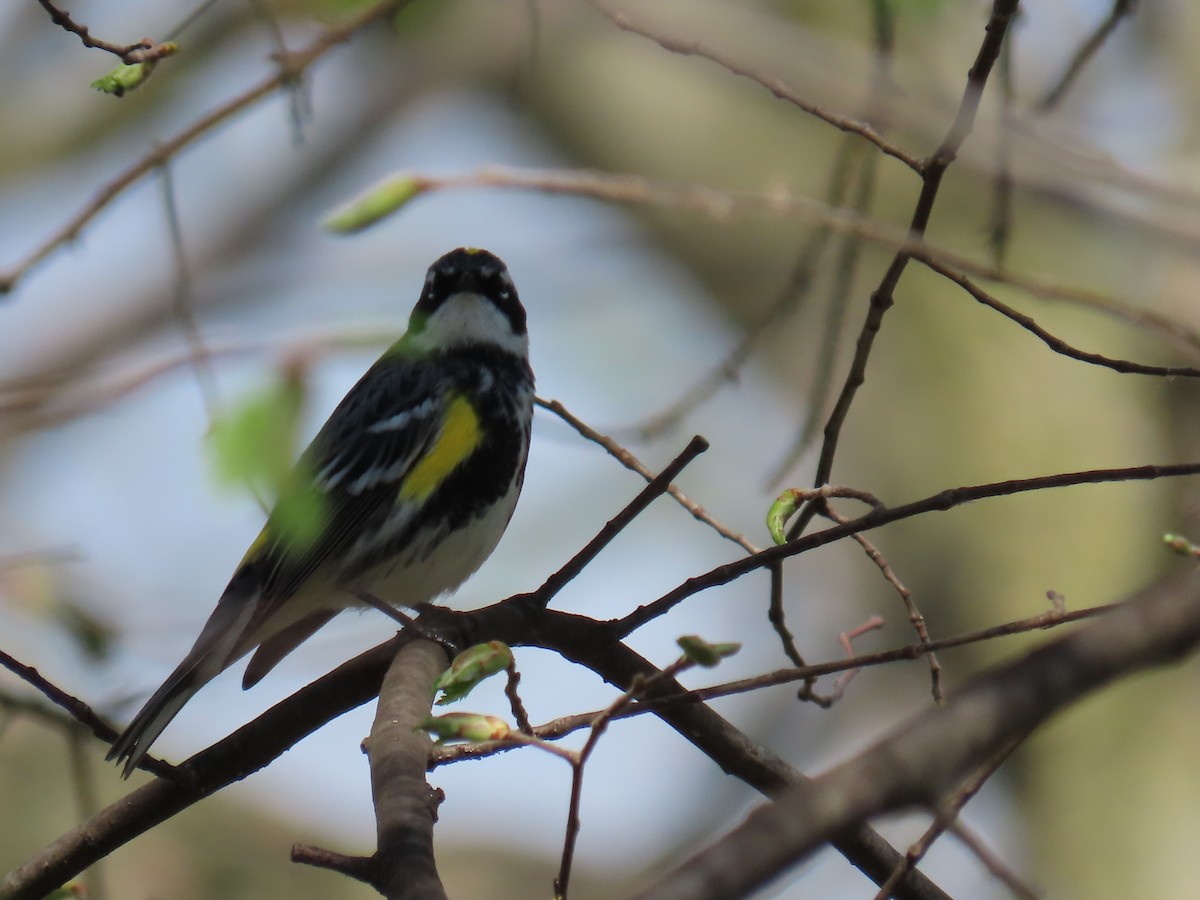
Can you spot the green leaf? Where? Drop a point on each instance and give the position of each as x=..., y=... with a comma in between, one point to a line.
x=703, y=653
x=254, y=443
x=126, y=78
x=781, y=510
x=471, y=667
x=382, y=200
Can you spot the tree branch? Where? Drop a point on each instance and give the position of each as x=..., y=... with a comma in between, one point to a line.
x=926, y=758
x=405, y=805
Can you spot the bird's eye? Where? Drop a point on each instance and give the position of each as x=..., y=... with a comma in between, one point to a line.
x=504, y=295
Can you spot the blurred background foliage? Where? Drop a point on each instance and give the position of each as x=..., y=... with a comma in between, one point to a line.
x=116, y=537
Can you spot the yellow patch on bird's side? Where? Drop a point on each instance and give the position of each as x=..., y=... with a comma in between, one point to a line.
x=461, y=434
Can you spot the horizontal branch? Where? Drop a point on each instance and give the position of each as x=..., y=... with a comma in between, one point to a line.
x=883, y=515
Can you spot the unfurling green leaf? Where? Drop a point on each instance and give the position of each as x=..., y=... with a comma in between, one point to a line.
x=471, y=667
x=703, y=653
x=125, y=78
x=781, y=510
x=382, y=200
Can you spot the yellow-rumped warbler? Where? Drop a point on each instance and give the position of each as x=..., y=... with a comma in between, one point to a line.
x=419, y=469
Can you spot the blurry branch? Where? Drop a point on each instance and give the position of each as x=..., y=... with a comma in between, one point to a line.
x=883, y=515
x=883, y=297
x=1120, y=9
x=183, y=299
x=790, y=296
x=1056, y=344
x=142, y=51
x=775, y=85
x=838, y=304
x=946, y=816
x=290, y=69
x=929, y=756
x=1002, y=181
x=720, y=205
x=242, y=753
x=566, y=725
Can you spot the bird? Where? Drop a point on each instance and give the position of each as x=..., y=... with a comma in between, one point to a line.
x=418, y=470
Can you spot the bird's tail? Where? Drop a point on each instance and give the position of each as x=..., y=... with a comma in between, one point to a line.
x=221, y=643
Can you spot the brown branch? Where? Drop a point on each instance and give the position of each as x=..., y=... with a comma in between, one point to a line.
x=775, y=85
x=75, y=708
x=289, y=69
x=1054, y=343
x=656, y=488
x=919, y=763
x=942, y=501
x=142, y=51
x=565, y=725
x=405, y=806
x=883, y=297
x=631, y=462
x=720, y=205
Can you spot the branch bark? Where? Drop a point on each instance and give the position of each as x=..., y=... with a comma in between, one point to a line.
x=931, y=755
x=405, y=805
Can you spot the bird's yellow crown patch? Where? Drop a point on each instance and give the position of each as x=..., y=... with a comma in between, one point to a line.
x=461, y=434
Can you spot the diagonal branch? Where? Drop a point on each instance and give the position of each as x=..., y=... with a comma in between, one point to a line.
x=926, y=758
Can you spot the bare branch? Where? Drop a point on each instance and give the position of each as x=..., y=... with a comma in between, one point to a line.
x=405, y=805
x=772, y=84
x=920, y=762
x=883, y=297
x=142, y=51
x=290, y=68
x=941, y=501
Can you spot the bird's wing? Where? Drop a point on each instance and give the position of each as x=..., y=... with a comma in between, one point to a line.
x=355, y=464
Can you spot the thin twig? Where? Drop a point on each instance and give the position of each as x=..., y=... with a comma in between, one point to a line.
x=512, y=681
x=565, y=725
x=876, y=518
x=654, y=489
x=993, y=863
x=1120, y=9
x=598, y=726
x=141, y=51
x=631, y=462
x=289, y=69
x=932, y=170
x=775, y=85
x=202, y=367
x=1054, y=343
x=915, y=618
